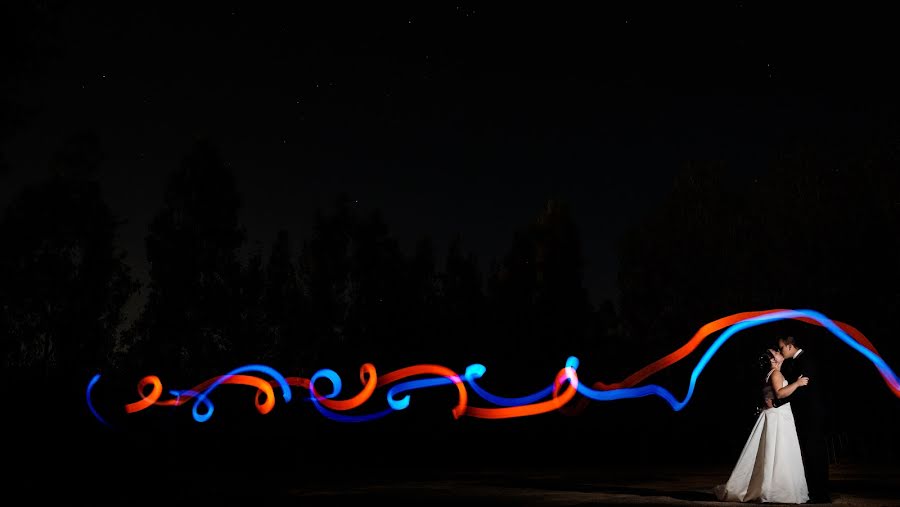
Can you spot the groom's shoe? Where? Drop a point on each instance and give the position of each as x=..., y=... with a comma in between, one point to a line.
x=820, y=499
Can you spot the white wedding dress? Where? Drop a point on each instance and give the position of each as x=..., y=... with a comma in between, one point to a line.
x=770, y=468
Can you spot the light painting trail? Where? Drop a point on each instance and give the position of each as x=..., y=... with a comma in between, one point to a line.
x=202, y=391
x=324, y=404
x=560, y=392
x=90, y=403
x=820, y=319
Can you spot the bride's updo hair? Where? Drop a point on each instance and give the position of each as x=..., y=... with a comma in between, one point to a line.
x=764, y=361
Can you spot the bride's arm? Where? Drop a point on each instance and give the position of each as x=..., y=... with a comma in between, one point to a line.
x=783, y=392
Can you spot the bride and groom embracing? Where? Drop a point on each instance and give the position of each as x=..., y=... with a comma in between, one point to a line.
x=784, y=460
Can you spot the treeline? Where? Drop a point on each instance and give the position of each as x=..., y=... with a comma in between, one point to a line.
x=341, y=295
x=815, y=231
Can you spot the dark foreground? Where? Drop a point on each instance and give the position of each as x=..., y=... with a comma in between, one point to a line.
x=562, y=487
x=263, y=468
x=416, y=459
x=556, y=486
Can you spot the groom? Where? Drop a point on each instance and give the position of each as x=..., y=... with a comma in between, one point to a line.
x=809, y=414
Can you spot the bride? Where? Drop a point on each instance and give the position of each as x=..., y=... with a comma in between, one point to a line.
x=770, y=468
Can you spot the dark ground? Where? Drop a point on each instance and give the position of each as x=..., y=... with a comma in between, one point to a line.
x=550, y=485
x=183, y=470
x=298, y=458
x=559, y=485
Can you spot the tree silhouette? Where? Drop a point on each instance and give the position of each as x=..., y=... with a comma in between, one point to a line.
x=191, y=326
x=559, y=268
x=419, y=294
x=674, y=268
x=257, y=340
x=354, y=272
x=287, y=308
x=539, y=306
x=63, y=281
x=461, y=305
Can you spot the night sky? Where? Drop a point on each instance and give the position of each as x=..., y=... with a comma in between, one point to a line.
x=451, y=118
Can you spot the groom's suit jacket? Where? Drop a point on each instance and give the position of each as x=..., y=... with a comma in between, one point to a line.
x=808, y=406
x=807, y=402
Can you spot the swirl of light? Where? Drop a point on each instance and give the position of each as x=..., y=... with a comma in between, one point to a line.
x=476, y=371
x=653, y=389
x=705, y=331
x=262, y=388
x=367, y=376
x=201, y=392
x=864, y=348
x=399, y=399
x=568, y=373
x=753, y=321
x=412, y=385
x=427, y=369
x=805, y=315
x=232, y=377
x=717, y=325
x=181, y=396
x=146, y=399
x=90, y=403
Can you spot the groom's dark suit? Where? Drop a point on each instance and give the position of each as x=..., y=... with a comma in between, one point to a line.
x=807, y=404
